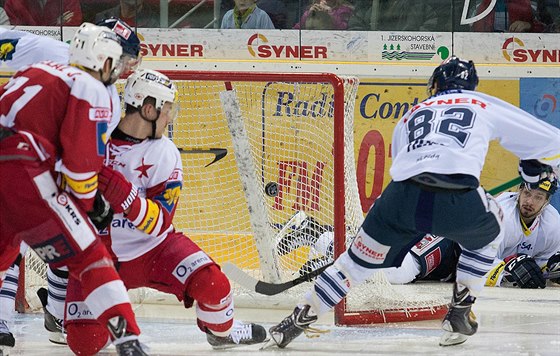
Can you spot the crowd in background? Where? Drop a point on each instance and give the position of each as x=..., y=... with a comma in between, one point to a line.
x=537, y=16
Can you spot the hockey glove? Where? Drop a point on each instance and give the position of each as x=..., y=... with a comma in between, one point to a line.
x=102, y=214
x=530, y=170
x=553, y=265
x=117, y=189
x=525, y=273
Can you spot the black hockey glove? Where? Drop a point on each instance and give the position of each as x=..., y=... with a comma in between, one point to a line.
x=531, y=169
x=553, y=265
x=524, y=272
x=102, y=214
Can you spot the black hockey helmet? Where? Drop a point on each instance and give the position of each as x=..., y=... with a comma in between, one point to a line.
x=453, y=73
x=129, y=40
x=548, y=183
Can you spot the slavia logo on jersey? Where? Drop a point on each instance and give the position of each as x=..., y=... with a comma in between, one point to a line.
x=514, y=50
x=258, y=47
x=7, y=49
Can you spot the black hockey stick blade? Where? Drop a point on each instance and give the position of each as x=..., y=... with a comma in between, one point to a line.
x=261, y=287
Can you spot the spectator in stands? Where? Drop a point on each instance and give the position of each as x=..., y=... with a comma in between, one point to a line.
x=548, y=13
x=136, y=13
x=246, y=14
x=44, y=12
x=507, y=16
x=340, y=12
x=277, y=11
x=403, y=15
x=4, y=19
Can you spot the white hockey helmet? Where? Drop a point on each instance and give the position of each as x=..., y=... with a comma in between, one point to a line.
x=149, y=83
x=92, y=45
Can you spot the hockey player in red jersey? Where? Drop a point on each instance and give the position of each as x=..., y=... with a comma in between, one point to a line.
x=143, y=181
x=48, y=176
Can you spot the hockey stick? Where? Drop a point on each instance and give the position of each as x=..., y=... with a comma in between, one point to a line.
x=515, y=181
x=246, y=281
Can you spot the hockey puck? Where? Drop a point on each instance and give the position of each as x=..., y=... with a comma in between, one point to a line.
x=271, y=189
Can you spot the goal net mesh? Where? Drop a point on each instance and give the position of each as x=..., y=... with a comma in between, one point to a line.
x=269, y=174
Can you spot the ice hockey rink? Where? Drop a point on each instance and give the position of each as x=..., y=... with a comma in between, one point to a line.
x=511, y=322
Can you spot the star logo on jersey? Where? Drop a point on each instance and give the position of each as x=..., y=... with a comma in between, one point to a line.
x=143, y=169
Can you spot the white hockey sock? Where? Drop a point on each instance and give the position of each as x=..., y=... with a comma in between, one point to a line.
x=57, y=292
x=8, y=294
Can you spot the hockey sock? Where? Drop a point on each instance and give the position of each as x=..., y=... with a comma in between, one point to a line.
x=473, y=266
x=58, y=281
x=8, y=292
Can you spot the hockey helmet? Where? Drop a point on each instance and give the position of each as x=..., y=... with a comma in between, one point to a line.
x=548, y=183
x=92, y=45
x=145, y=83
x=128, y=38
x=453, y=73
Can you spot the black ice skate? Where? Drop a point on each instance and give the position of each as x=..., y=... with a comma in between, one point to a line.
x=293, y=326
x=241, y=334
x=460, y=321
x=302, y=230
x=7, y=341
x=57, y=334
x=126, y=344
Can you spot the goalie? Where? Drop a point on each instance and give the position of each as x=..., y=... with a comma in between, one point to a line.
x=532, y=237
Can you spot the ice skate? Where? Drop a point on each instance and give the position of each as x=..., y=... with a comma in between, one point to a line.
x=293, y=326
x=241, y=334
x=7, y=341
x=126, y=344
x=54, y=326
x=460, y=321
x=302, y=230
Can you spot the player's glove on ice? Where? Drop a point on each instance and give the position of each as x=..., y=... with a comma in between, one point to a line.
x=524, y=271
x=531, y=170
x=102, y=214
x=116, y=189
x=553, y=265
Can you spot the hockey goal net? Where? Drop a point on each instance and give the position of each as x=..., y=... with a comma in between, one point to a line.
x=264, y=154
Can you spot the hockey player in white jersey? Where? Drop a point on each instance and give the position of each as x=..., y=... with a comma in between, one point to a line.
x=531, y=239
x=19, y=49
x=532, y=236
x=438, y=149
x=142, y=181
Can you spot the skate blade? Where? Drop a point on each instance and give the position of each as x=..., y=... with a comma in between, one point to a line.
x=268, y=344
x=450, y=339
x=57, y=338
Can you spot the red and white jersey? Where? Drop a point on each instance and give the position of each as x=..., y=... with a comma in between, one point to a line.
x=540, y=240
x=19, y=49
x=68, y=108
x=155, y=168
x=450, y=133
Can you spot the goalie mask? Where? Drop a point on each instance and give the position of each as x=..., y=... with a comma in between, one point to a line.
x=453, y=73
x=147, y=83
x=91, y=46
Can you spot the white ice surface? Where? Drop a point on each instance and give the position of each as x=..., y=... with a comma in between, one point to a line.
x=512, y=322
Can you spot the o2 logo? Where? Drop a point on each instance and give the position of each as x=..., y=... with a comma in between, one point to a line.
x=545, y=106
